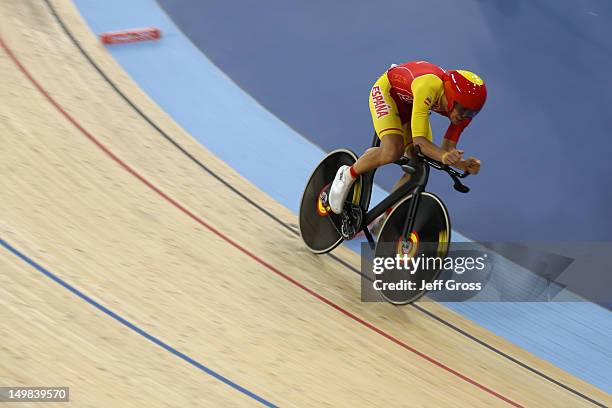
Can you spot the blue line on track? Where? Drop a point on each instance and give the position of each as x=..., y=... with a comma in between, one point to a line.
x=133, y=327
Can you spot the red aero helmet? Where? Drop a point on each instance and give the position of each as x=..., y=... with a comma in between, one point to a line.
x=466, y=88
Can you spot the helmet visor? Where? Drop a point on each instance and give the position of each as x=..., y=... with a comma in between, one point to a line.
x=466, y=113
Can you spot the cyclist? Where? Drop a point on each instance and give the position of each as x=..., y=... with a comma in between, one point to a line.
x=400, y=104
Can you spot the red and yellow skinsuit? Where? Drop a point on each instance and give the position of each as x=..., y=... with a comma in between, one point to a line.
x=402, y=97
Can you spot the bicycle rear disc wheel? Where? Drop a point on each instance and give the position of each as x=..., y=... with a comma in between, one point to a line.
x=429, y=239
x=316, y=229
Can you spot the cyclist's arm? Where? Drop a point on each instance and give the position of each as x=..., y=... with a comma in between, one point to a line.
x=424, y=90
x=451, y=137
x=448, y=145
x=428, y=148
x=453, y=133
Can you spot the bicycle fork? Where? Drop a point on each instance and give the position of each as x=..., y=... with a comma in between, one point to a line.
x=412, y=211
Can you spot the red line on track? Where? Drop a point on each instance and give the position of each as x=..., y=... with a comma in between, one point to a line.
x=238, y=246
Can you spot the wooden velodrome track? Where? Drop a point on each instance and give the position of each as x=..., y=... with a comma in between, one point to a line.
x=138, y=274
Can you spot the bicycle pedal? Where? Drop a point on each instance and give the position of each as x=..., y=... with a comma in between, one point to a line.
x=352, y=217
x=324, y=198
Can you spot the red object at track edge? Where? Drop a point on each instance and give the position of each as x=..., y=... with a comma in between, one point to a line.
x=131, y=35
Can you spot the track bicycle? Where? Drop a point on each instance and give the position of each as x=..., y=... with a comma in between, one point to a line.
x=418, y=224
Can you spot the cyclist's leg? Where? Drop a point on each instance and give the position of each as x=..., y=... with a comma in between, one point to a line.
x=409, y=151
x=377, y=223
x=390, y=150
x=388, y=126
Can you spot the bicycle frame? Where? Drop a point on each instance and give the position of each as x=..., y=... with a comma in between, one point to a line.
x=416, y=185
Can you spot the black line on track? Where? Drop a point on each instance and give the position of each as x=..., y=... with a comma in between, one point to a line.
x=288, y=227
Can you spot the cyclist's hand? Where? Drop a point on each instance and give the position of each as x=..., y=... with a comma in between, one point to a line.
x=472, y=165
x=452, y=157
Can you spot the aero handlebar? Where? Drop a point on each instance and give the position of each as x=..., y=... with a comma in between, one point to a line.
x=456, y=175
